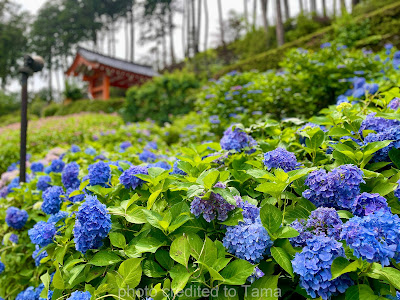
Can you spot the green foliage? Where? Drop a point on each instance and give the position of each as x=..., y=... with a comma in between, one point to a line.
x=8, y=103
x=347, y=31
x=72, y=91
x=165, y=96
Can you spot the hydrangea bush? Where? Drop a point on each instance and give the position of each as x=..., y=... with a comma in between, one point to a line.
x=306, y=209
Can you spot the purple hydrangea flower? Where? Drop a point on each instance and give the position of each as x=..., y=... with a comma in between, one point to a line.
x=147, y=156
x=124, y=145
x=366, y=204
x=52, y=199
x=37, y=167
x=337, y=188
x=92, y=225
x=377, y=124
x=69, y=176
x=99, y=174
x=375, y=237
x=42, y=233
x=151, y=145
x=257, y=273
x=322, y=221
x=313, y=264
x=16, y=218
x=43, y=183
x=57, y=166
x=391, y=133
x=13, y=238
x=129, y=179
x=215, y=206
x=394, y=104
x=75, y=149
x=250, y=211
x=397, y=191
x=236, y=139
x=38, y=256
x=282, y=159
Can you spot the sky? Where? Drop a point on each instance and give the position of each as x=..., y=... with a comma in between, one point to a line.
x=38, y=81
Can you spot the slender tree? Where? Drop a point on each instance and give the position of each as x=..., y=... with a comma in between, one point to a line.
x=343, y=8
x=254, y=14
x=184, y=29
x=171, y=35
x=221, y=22
x=313, y=6
x=334, y=8
x=199, y=9
x=246, y=14
x=287, y=9
x=324, y=8
x=264, y=9
x=301, y=6
x=206, y=20
x=132, y=34
x=280, y=34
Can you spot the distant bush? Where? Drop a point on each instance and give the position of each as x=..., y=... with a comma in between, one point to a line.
x=159, y=99
x=8, y=103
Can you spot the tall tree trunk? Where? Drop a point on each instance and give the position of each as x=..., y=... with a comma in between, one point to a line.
x=313, y=6
x=221, y=23
x=188, y=29
x=126, y=30
x=280, y=34
x=324, y=8
x=50, y=63
x=343, y=8
x=171, y=36
x=334, y=8
x=264, y=9
x=194, y=27
x=287, y=11
x=132, y=47
x=198, y=26
x=301, y=6
x=205, y=25
x=246, y=15
x=164, y=43
x=184, y=46
x=254, y=14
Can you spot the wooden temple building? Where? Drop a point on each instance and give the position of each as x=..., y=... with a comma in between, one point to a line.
x=102, y=71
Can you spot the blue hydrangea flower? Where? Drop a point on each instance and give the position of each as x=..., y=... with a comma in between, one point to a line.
x=12, y=167
x=249, y=240
x=16, y=218
x=14, y=238
x=37, y=167
x=322, y=221
x=377, y=124
x=38, y=256
x=42, y=233
x=313, y=264
x=160, y=164
x=257, y=273
x=215, y=206
x=214, y=119
x=90, y=151
x=28, y=294
x=13, y=184
x=43, y=183
x=3, y=192
x=394, y=104
x=337, y=188
x=147, y=156
x=151, y=145
x=99, y=174
x=52, y=199
x=75, y=149
x=236, y=139
x=69, y=176
x=92, y=225
x=176, y=170
x=391, y=133
x=282, y=159
x=77, y=295
x=250, y=211
x=124, y=145
x=397, y=191
x=57, y=166
x=61, y=215
x=129, y=179
x=2, y=267
x=374, y=237
x=366, y=204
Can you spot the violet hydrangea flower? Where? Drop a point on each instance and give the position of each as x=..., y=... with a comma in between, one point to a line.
x=16, y=218
x=282, y=159
x=129, y=179
x=236, y=139
x=366, y=204
x=43, y=183
x=69, y=176
x=99, y=174
x=52, y=199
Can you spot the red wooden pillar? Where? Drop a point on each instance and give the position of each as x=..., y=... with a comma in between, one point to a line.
x=106, y=87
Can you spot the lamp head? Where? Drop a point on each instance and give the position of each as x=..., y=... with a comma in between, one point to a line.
x=34, y=63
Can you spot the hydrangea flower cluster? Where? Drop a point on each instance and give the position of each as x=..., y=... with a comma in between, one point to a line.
x=374, y=237
x=257, y=273
x=147, y=156
x=28, y=294
x=77, y=295
x=250, y=211
x=57, y=166
x=38, y=256
x=99, y=174
x=160, y=164
x=394, y=104
x=2, y=267
x=92, y=225
x=236, y=139
x=42, y=233
x=37, y=167
x=90, y=151
x=52, y=200
x=397, y=191
x=13, y=238
x=69, y=176
x=282, y=159
x=366, y=204
x=337, y=188
x=75, y=149
x=151, y=145
x=129, y=179
x=377, y=124
x=176, y=170
x=322, y=221
x=124, y=145
x=249, y=240
x=313, y=264
x=43, y=183
x=16, y=218
x=215, y=206
x=61, y=215
x=391, y=133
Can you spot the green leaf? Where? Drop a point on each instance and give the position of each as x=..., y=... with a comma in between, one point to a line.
x=75, y=272
x=208, y=253
x=45, y=278
x=384, y=188
x=136, y=215
x=341, y=266
x=265, y=288
x=389, y=274
x=234, y=217
x=345, y=214
x=271, y=217
x=394, y=155
x=286, y=232
x=283, y=259
x=180, y=250
x=360, y=292
x=272, y=188
x=130, y=273
x=104, y=258
x=337, y=131
x=153, y=198
x=180, y=277
x=316, y=140
x=237, y=272
x=58, y=281
x=153, y=269
x=210, y=179
x=117, y=240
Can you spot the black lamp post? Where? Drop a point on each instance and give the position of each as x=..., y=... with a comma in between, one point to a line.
x=31, y=65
